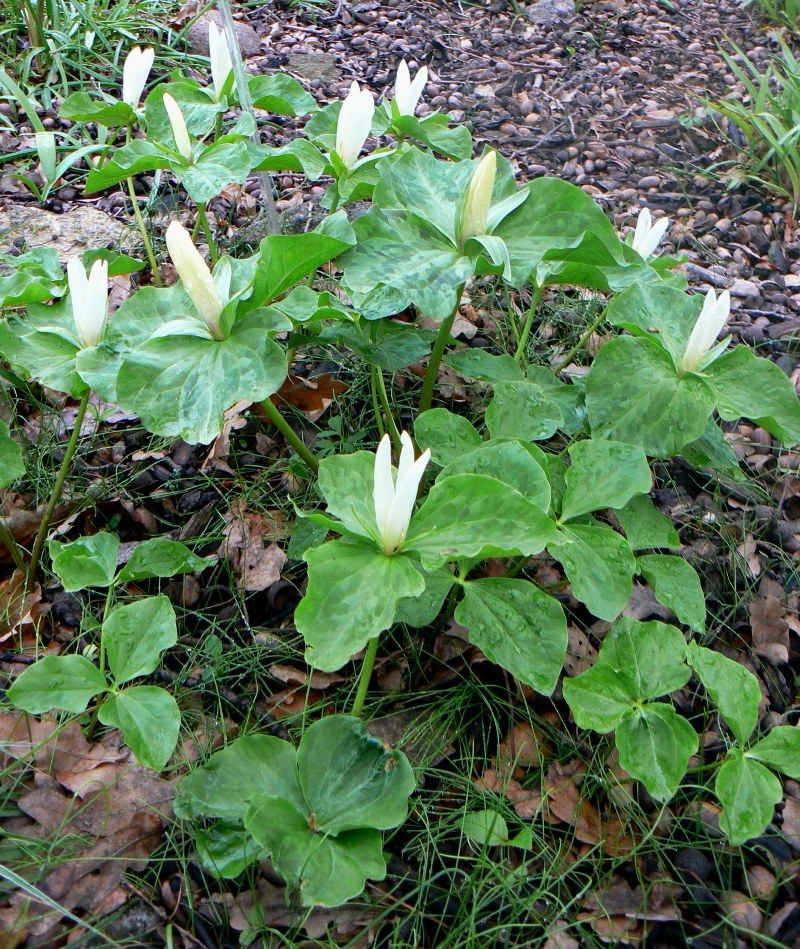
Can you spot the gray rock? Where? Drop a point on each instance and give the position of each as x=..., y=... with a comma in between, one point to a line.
x=83, y=228
x=550, y=12
x=313, y=65
x=197, y=35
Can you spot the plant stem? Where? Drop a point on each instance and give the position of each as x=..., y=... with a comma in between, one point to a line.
x=387, y=410
x=376, y=407
x=203, y=219
x=61, y=477
x=289, y=434
x=432, y=372
x=579, y=345
x=148, y=246
x=106, y=606
x=526, y=329
x=13, y=548
x=366, y=675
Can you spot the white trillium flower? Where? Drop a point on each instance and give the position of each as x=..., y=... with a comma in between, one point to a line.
x=700, y=349
x=475, y=213
x=407, y=93
x=89, y=299
x=179, y=131
x=648, y=235
x=135, y=71
x=196, y=277
x=354, y=124
x=219, y=54
x=394, y=500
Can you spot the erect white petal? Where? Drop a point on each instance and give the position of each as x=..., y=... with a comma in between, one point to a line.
x=475, y=213
x=712, y=318
x=383, y=485
x=195, y=275
x=406, y=455
x=415, y=92
x=354, y=124
x=404, y=497
x=135, y=71
x=648, y=235
x=89, y=299
x=407, y=93
x=220, y=58
x=179, y=131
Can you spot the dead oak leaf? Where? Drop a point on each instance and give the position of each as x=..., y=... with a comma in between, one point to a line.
x=249, y=546
x=768, y=623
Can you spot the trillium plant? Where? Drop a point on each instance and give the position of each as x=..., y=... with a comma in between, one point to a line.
x=535, y=510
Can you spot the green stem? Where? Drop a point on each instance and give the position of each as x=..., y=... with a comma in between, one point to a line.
x=203, y=219
x=217, y=126
x=526, y=329
x=366, y=675
x=148, y=246
x=106, y=606
x=7, y=539
x=61, y=477
x=432, y=372
x=289, y=434
x=579, y=345
x=387, y=410
x=376, y=406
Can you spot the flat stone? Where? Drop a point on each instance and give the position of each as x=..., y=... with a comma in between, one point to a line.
x=85, y=227
x=550, y=12
x=313, y=65
x=197, y=35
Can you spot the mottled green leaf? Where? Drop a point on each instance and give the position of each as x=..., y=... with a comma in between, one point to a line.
x=136, y=634
x=731, y=687
x=63, y=682
x=150, y=722
x=748, y=793
x=86, y=562
x=603, y=474
x=655, y=745
x=676, y=584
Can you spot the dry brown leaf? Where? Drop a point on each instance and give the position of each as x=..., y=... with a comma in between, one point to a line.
x=233, y=420
x=311, y=396
x=19, y=607
x=249, y=546
x=768, y=623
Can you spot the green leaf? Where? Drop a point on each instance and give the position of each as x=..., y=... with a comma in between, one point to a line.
x=216, y=167
x=346, y=482
x=658, y=311
x=472, y=515
x=568, y=397
x=197, y=104
x=227, y=782
x=655, y=745
x=328, y=871
x=780, y=749
x=226, y=850
x=87, y=562
x=136, y=634
x=648, y=658
x=634, y=395
x=349, y=779
x=286, y=259
x=522, y=410
x=281, y=94
x=485, y=828
x=352, y=595
x=597, y=698
x=748, y=793
x=448, y=436
x=12, y=465
x=183, y=385
x=44, y=345
x=65, y=682
x=598, y=563
x=420, y=611
x=435, y=132
x=711, y=450
x=645, y=526
x=603, y=474
x=150, y=722
x=746, y=386
x=35, y=278
x=676, y=584
x=297, y=155
x=477, y=363
x=520, y=465
x=129, y=160
x=82, y=107
x=562, y=236
x=518, y=626
x=731, y=687
x=161, y=557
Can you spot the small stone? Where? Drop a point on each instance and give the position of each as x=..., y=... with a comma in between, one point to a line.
x=82, y=228
x=744, y=289
x=550, y=12
x=313, y=65
x=197, y=35
x=650, y=181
